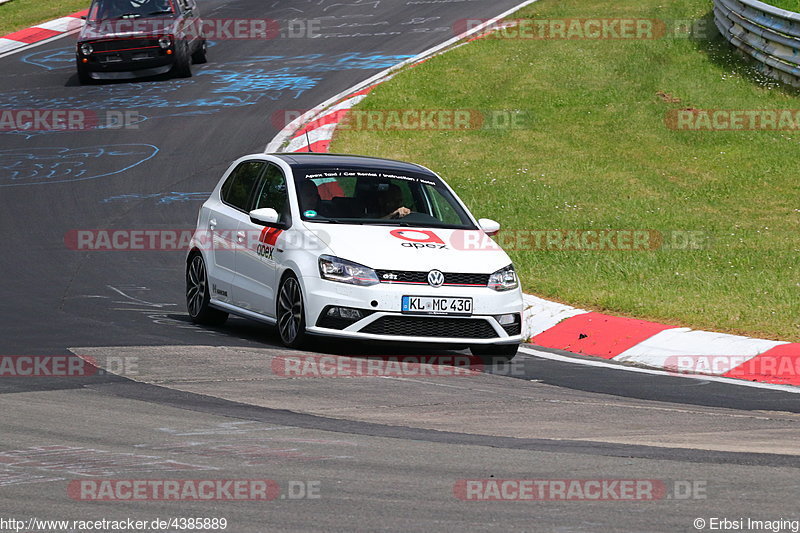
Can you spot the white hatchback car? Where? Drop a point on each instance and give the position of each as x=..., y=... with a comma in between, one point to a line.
x=351, y=247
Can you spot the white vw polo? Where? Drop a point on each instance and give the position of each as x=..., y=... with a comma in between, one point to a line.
x=352, y=247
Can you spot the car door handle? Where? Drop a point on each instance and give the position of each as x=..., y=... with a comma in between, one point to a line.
x=212, y=224
x=240, y=236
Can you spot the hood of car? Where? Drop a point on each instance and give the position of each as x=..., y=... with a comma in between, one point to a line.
x=413, y=249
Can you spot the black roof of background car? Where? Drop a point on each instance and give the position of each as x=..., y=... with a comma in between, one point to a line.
x=310, y=160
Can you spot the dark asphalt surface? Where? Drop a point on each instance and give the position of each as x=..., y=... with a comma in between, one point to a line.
x=155, y=176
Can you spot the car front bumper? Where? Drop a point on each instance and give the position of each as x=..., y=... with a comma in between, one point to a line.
x=386, y=322
x=125, y=65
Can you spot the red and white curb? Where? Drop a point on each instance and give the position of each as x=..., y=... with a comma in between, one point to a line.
x=41, y=33
x=558, y=326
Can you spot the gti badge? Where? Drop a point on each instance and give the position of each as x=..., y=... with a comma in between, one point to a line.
x=435, y=278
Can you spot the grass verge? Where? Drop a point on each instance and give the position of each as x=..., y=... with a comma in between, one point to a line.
x=599, y=154
x=21, y=14
x=791, y=5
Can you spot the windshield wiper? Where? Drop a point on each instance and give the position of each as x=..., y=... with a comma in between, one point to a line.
x=388, y=222
x=130, y=16
x=322, y=220
x=162, y=12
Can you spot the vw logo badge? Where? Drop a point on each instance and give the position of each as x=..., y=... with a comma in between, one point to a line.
x=435, y=278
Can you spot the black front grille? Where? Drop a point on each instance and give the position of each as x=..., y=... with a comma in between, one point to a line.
x=332, y=322
x=450, y=278
x=405, y=326
x=125, y=44
x=513, y=329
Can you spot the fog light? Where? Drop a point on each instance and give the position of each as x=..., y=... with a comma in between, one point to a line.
x=344, y=312
x=504, y=320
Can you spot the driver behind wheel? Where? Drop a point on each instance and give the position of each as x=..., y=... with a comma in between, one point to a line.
x=390, y=201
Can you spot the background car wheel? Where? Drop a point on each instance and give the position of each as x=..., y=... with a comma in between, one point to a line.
x=495, y=353
x=183, y=62
x=197, y=295
x=291, y=313
x=199, y=56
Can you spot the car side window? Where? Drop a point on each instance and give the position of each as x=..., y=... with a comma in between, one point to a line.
x=273, y=193
x=239, y=186
x=443, y=210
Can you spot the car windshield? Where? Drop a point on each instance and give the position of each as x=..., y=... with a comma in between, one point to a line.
x=122, y=9
x=378, y=197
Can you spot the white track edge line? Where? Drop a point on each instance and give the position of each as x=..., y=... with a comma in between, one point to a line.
x=697, y=377
x=25, y=47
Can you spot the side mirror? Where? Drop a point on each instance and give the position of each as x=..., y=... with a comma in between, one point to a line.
x=265, y=216
x=489, y=226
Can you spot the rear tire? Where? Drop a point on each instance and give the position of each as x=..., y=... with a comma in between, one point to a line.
x=291, y=313
x=198, y=297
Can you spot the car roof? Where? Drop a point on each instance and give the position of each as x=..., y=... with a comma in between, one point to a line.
x=310, y=160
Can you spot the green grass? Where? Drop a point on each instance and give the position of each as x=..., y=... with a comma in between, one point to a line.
x=21, y=14
x=599, y=155
x=791, y=5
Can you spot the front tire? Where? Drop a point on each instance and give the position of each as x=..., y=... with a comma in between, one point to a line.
x=199, y=56
x=198, y=297
x=183, y=61
x=84, y=78
x=495, y=353
x=291, y=313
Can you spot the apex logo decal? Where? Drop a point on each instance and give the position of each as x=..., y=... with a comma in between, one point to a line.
x=419, y=238
x=266, y=243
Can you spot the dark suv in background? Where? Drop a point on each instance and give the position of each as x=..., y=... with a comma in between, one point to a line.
x=124, y=39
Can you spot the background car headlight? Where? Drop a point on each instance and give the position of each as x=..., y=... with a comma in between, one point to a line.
x=504, y=279
x=344, y=271
x=86, y=49
x=165, y=42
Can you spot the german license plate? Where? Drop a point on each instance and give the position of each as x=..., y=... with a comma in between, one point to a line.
x=428, y=305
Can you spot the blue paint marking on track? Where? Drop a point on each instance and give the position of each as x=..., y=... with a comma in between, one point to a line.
x=44, y=166
x=51, y=59
x=269, y=77
x=162, y=198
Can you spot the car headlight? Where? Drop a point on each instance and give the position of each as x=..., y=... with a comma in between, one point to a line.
x=86, y=49
x=344, y=271
x=165, y=41
x=504, y=279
